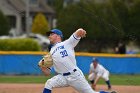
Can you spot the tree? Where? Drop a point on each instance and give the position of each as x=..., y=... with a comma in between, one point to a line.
x=40, y=24
x=122, y=15
x=134, y=29
x=4, y=25
x=99, y=20
x=58, y=6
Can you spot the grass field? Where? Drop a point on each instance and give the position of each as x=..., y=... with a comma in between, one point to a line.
x=115, y=79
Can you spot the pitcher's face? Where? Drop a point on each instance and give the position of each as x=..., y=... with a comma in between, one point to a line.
x=53, y=38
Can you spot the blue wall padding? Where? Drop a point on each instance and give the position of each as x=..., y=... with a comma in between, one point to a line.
x=27, y=64
x=19, y=64
x=116, y=65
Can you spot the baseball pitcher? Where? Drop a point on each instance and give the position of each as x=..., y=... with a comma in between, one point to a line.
x=64, y=63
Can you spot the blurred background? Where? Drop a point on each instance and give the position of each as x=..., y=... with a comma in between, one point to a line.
x=110, y=24
x=113, y=34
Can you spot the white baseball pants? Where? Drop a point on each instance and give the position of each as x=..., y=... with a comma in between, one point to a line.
x=75, y=79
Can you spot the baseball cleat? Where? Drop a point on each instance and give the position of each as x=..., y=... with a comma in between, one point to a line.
x=113, y=92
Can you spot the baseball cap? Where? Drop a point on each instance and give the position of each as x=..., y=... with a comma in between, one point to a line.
x=56, y=31
x=95, y=60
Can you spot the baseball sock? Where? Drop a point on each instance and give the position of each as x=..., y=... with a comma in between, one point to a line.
x=108, y=83
x=46, y=90
x=103, y=92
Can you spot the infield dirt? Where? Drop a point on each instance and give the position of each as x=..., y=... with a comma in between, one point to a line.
x=37, y=88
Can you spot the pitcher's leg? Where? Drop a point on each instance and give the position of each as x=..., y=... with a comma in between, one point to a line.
x=78, y=81
x=56, y=81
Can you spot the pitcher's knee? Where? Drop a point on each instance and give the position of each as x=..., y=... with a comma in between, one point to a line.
x=48, y=85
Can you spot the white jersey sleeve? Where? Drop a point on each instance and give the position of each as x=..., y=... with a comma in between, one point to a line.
x=73, y=40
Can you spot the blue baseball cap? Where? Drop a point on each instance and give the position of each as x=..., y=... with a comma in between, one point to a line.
x=95, y=60
x=56, y=31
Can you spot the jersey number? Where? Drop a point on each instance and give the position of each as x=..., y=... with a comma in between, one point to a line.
x=64, y=53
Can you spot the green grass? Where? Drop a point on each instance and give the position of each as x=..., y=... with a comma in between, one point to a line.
x=123, y=80
x=126, y=79
x=115, y=79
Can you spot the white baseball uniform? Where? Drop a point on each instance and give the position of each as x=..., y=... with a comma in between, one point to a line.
x=99, y=71
x=64, y=63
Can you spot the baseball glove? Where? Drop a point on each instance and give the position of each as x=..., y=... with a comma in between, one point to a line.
x=46, y=61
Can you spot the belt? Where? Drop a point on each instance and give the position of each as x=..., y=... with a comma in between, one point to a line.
x=68, y=73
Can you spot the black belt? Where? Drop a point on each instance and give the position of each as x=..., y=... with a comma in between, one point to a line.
x=68, y=73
